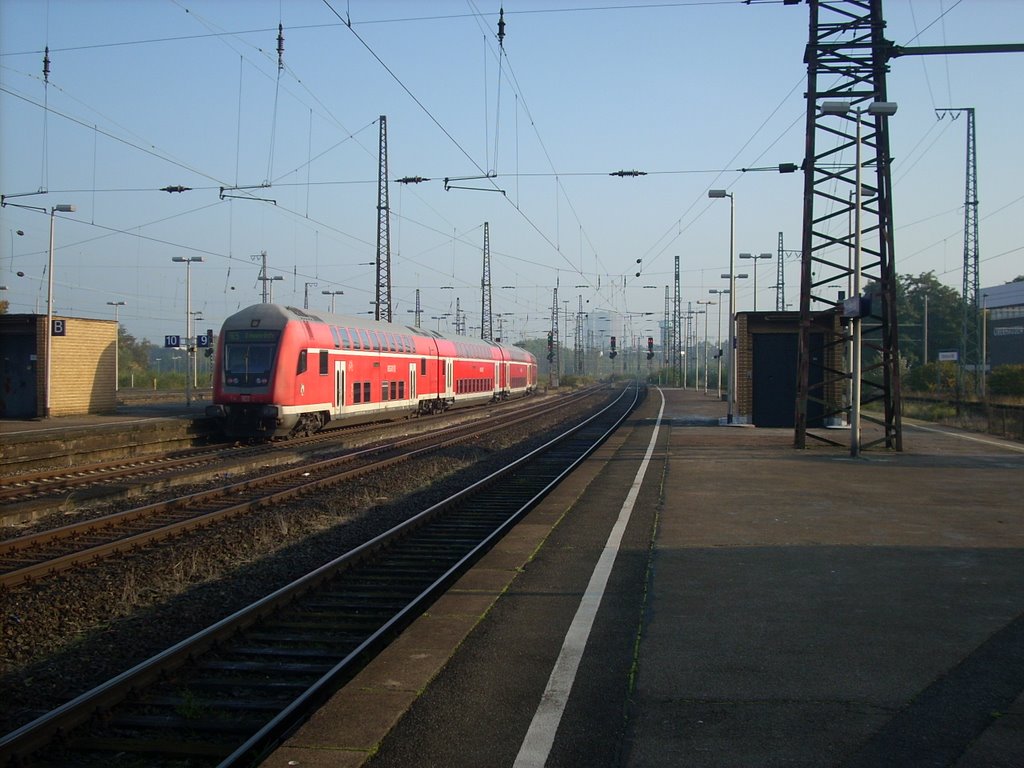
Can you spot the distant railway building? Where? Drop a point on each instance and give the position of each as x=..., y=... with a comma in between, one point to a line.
x=1004, y=323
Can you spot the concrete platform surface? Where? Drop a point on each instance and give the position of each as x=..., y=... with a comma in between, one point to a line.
x=766, y=607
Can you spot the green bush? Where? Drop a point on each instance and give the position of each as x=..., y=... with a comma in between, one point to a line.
x=1007, y=380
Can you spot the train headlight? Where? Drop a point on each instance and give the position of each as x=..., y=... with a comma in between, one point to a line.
x=214, y=412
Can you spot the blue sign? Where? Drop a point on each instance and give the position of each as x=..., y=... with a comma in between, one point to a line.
x=203, y=340
x=172, y=341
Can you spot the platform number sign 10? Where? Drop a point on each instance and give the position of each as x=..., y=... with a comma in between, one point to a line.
x=172, y=341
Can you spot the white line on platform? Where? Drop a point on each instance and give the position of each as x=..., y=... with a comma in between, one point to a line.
x=998, y=443
x=541, y=735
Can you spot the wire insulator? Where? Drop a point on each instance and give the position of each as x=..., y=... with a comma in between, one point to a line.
x=280, y=46
x=46, y=65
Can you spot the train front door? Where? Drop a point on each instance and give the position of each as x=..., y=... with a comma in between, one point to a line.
x=339, y=385
x=412, y=382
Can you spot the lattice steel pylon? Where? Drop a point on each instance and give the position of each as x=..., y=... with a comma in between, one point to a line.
x=780, y=283
x=382, y=305
x=846, y=58
x=554, y=361
x=486, y=321
x=677, y=340
x=971, y=327
x=578, y=345
x=666, y=329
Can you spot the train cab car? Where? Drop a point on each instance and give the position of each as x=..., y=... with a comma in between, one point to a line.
x=282, y=371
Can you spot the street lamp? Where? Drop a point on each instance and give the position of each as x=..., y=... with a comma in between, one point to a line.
x=718, y=343
x=883, y=109
x=117, y=368
x=196, y=317
x=755, y=257
x=189, y=346
x=332, y=294
x=731, y=391
x=49, y=307
x=707, y=303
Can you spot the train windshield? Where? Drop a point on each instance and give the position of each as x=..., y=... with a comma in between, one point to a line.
x=249, y=357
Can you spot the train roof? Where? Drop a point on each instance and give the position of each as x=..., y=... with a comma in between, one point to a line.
x=278, y=314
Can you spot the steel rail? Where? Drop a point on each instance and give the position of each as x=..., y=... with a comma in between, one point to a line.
x=59, y=723
x=300, y=480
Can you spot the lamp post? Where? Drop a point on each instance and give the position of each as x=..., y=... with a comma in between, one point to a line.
x=49, y=307
x=884, y=109
x=117, y=368
x=984, y=346
x=189, y=346
x=707, y=303
x=196, y=316
x=755, y=257
x=332, y=294
x=731, y=391
x=718, y=343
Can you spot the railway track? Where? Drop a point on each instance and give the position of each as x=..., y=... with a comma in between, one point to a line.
x=228, y=694
x=37, y=555
x=88, y=480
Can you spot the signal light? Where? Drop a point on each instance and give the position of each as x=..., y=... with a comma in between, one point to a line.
x=650, y=347
x=613, y=353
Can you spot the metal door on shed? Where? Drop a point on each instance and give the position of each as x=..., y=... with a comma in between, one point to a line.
x=18, y=398
x=775, y=379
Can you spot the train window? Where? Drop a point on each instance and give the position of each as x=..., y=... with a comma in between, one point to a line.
x=394, y=390
x=383, y=391
x=391, y=341
x=357, y=392
x=334, y=335
x=365, y=337
x=301, y=367
x=345, y=342
x=401, y=390
x=323, y=362
x=423, y=366
x=366, y=391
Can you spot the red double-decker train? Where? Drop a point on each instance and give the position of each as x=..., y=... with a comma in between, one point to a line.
x=282, y=372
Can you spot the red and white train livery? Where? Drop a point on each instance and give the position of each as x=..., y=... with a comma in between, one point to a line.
x=283, y=371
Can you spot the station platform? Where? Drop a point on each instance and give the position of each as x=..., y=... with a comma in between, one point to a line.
x=700, y=595
x=125, y=413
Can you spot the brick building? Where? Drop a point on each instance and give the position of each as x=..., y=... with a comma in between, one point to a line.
x=83, y=375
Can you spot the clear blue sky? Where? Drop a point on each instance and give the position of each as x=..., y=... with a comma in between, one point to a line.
x=143, y=94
